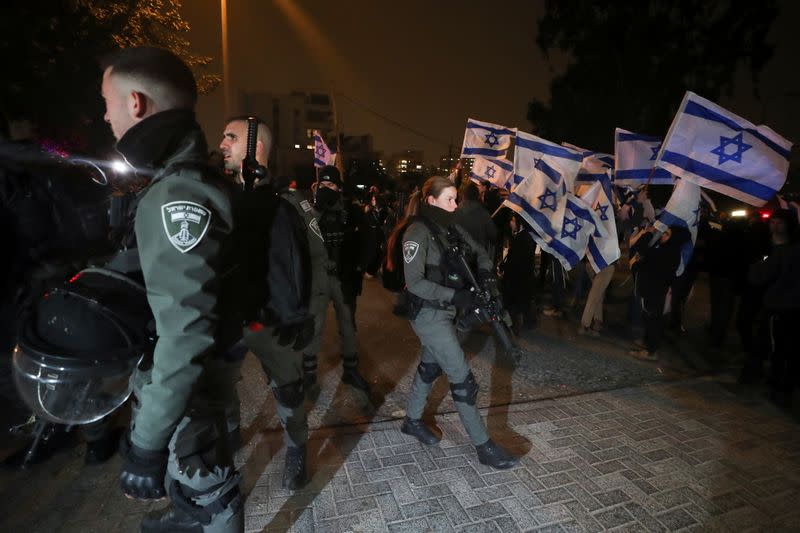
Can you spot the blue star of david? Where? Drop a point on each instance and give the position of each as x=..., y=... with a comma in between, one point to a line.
x=655, y=150
x=737, y=141
x=491, y=139
x=602, y=209
x=490, y=172
x=320, y=151
x=572, y=234
x=696, y=216
x=545, y=203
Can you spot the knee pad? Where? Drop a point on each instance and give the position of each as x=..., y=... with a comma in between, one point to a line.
x=206, y=505
x=289, y=395
x=428, y=372
x=466, y=391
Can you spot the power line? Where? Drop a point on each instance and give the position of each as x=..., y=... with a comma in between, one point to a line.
x=392, y=121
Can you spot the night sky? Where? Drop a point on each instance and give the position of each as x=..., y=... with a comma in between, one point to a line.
x=429, y=65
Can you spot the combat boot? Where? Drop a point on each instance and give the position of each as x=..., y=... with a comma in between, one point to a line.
x=170, y=520
x=417, y=429
x=294, y=471
x=494, y=455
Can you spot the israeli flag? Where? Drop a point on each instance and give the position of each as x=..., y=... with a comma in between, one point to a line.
x=574, y=223
x=486, y=139
x=495, y=172
x=602, y=250
x=634, y=159
x=682, y=209
x=714, y=148
x=543, y=173
x=323, y=156
x=593, y=166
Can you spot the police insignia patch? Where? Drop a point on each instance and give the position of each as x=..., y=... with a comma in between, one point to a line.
x=185, y=223
x=314, y=225
x=305, y=205
x=410, y=249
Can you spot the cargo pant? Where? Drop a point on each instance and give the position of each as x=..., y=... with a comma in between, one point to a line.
x=440, y=348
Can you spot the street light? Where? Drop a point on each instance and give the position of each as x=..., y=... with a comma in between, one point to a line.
x=226, y=73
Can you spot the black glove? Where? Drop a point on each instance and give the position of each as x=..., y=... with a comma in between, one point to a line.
x=143, y=471
x=463, y=299
x=301, y=334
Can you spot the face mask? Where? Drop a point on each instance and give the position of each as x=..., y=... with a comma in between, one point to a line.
x=326, y=198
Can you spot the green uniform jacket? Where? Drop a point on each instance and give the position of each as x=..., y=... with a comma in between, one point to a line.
x=182, y=222
x=420, y=249
x=316, y=246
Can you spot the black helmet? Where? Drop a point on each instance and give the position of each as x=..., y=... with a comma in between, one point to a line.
x=79, y=345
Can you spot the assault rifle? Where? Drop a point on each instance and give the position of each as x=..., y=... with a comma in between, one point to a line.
x=251, y=170
x=489, y=308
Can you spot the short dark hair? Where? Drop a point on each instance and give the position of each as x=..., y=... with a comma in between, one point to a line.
x=155, y=66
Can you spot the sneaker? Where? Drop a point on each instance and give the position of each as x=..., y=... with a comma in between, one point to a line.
x=589, y=332
x=644, y=355
x=552, y=311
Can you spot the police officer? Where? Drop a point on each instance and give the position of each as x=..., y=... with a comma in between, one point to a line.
x=440, y=291
x=280, y=360
x=347, y=257
x=180, y=232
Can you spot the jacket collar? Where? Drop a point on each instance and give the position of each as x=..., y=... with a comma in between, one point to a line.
x=161, y=138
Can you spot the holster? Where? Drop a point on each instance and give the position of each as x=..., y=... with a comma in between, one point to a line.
x=407, y=305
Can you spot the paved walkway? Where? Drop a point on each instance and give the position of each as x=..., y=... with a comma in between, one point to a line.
x=666, y=457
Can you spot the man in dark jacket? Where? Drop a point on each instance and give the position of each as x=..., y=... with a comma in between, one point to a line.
x=473, y=217
x=655, y=271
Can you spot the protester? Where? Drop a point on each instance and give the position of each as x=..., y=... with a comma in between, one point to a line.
x=517, y=273
x=592, y=317
x=655, y=271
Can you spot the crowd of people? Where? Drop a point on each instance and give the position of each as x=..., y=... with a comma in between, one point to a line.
x=179, y=233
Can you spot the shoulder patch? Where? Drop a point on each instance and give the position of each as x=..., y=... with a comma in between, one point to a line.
x=305, y=205
x=314, y=226
x=410, y=249
x=185, y=223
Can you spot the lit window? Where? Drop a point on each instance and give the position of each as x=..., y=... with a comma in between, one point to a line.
x=310, y=146
x=297, y=146
x=419, y=167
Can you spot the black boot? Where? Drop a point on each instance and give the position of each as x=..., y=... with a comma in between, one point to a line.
x=310, y=385
x=354, y=379
x=294, y=472
x=417, y=429
x=495, y=455
x=170, y=520
x=101, y=449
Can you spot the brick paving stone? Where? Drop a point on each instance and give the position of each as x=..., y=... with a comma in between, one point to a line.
x=425, y=462
x=431, y=491
x=614, y=517
x=486, y=510
x=548, y=514
x=422, y=508
x=414, y=475
x=481, y=527
x=489, y=494
x=676, y=519
x=438, y=523
x=496, y=478
x=556, y=480
x=612, y=497
x=409, y=526
x=584, y=520
x=371, y=489
x=506, y=524
x=454, y=511
x=559, y=494
x=451, y=462
x=389, y=508
x=644, y=518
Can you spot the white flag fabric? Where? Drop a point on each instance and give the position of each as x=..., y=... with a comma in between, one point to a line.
x=602, y=250
x=716, y=149
x=323, y=156
x=634, y=159
x=574, y=223
x=543, y=173
x=486, y=139
x=496, y=172
x=593, y=165
x=682, y=209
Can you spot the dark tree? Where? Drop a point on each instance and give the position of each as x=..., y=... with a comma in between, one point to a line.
x=629, y=63
x=49, y=52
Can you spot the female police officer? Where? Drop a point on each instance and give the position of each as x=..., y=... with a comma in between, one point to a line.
x=440, y=291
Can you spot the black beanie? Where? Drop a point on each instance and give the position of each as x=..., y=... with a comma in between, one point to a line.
x=331, y=174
